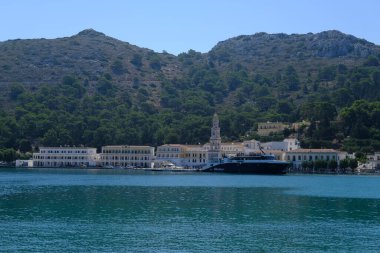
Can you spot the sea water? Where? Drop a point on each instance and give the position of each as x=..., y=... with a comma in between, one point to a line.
x=67, y=210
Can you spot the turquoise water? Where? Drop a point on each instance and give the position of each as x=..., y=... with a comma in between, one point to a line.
x=56, y=210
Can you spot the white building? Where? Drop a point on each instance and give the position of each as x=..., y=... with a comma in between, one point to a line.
x=300, y=155
x=127, y=156
x=374, y=160
x=195, y=157
x=292, y=144
x=275, y=145
x=65, y=157
x=228, y=149
x=174, y=153
x=266, y=128
x=285, y=145
x=187, y=156
x=24, y=163
x=251, y=145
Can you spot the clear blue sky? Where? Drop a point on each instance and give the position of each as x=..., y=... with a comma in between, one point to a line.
x=179, y=25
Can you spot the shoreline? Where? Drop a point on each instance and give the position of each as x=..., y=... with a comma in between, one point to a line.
x=183, y=170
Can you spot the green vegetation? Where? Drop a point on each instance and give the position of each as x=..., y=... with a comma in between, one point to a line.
x=8, y=155
x=120, y=94
x=322, y=166
x=349, y=164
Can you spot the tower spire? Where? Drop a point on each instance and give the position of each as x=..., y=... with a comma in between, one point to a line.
x=214, y=154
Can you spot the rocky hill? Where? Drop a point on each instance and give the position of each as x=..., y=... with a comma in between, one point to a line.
x=268, y=53
x=92, y=89
x=87, y=56
x=91, y=54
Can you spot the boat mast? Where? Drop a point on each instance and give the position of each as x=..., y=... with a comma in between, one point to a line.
x=261, y=149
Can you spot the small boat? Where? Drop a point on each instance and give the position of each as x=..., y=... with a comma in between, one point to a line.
x=165, y=166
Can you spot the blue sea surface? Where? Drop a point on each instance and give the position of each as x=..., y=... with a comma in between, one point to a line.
x=67, y=210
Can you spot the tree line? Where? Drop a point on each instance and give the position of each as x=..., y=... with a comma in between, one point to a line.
x=341, y=103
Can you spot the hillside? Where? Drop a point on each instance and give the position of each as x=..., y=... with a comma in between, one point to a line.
x=90, y=54
x=267, y=53
x=94, y=90
x=87, y=56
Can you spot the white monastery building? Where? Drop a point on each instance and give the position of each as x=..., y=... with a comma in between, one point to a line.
x=127, y=156
x=65, y=157
x=195, y=157
x=174, y=153
x=300, y=155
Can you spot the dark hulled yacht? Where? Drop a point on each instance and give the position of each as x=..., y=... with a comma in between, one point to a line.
x=250, y=164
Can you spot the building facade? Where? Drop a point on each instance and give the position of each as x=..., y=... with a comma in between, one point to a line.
x=195, y=157
x=278, y=154
x=374, y=160
x=127, y=156
x=187, y=156
x=292, y=144
x=311, y=155
x=231, y=149
x=228, y=149
x=285, y=145
x=65, y=157
x=174, y=153
x=251, y=145
x=266, y=128
x=275, y=145
x=24, y=163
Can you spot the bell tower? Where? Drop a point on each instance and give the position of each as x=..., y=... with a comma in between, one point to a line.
x=214, y=154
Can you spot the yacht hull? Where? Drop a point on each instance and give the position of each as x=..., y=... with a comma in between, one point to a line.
x=266, y=168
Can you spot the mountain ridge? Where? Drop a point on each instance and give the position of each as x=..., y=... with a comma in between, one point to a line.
x=93, y=89
x=98, y=50
x=340, y=44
